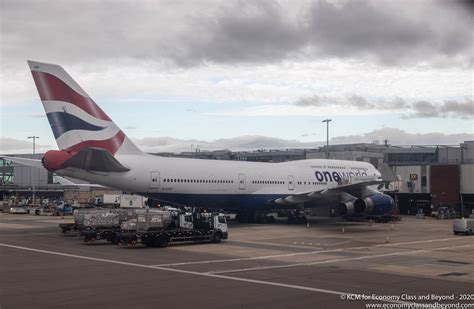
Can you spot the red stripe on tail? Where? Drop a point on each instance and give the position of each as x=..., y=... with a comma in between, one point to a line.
x=52, y=88
x=112, y=145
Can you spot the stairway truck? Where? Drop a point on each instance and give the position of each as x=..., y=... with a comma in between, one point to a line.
x=161, y=228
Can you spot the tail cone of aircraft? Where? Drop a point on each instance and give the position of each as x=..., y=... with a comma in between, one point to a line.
x=53, y=160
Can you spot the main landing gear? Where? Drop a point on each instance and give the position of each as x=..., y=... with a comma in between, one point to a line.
x=252, y=216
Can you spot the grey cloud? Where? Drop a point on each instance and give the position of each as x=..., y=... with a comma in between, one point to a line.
x=317, y=101
x=466, y=108
x=253, y=32
x=400, y=137
x=15, y=146
x=255, y=142
x=359, y=27
x=424, y=109
x=195, y=32
x=248, y=142
x=447, y=109
x=418, y=109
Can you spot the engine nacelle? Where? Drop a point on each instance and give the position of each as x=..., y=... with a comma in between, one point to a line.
x=346, y=208
x=378, y=204
x=53, y=160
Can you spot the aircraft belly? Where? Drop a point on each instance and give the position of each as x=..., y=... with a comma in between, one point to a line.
x=223, y=201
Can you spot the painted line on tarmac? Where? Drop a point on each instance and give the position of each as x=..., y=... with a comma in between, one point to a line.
x=335, y=260
x=252, y=258
x=32, y=234
x=343, y=295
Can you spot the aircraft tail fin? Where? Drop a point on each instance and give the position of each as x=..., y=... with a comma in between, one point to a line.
x=76, y=120
x=387, y=173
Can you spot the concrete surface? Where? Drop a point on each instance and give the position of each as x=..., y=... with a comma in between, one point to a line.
x=260, y=266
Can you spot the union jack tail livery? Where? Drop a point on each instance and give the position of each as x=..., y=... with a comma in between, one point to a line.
x=76, y=120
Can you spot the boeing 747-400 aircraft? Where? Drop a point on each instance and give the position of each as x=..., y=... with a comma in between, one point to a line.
x=93, y=148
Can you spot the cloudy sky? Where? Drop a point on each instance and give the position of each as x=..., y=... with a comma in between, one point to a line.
x=247, y=74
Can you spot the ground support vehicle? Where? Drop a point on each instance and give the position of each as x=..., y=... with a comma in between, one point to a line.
x=156, y=230
x=96, y=224
x=97, y=233
x=165, y=237
x=69, y=227
x=463, y=226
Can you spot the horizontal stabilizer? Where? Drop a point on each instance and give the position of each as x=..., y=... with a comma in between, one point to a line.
x=66, y=182
x=95, y=159
x=24, y=161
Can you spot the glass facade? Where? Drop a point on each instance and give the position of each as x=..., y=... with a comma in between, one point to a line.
x=6, y=172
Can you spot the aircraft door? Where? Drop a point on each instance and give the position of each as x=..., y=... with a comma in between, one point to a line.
x=291, y=183
x=241, y=181
x=154, y=180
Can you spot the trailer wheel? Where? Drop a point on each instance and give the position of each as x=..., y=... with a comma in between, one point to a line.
x=162, y=241
x=217, y=238
x=149, y=243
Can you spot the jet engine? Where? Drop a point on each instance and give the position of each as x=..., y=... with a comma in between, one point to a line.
x=377, y=204
x=347, y=208
x=53, y=160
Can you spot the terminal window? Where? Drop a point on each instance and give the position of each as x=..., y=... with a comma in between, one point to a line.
x=6, y=172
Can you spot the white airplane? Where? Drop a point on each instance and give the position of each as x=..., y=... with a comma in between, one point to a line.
x=94, y=149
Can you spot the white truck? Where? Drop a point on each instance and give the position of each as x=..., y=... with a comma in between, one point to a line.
x=132, y=201
x=463, y=226
x=159, y=228
x=107, y=199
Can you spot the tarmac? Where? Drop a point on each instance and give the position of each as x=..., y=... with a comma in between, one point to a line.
x=330, y=264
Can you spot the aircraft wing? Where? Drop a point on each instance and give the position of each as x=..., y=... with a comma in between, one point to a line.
x=353, y=189
x=24, y=161
x=66, y=182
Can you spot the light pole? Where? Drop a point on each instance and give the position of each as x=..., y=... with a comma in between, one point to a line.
x=327, y=136
x=34, y=141
x=33, y=181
